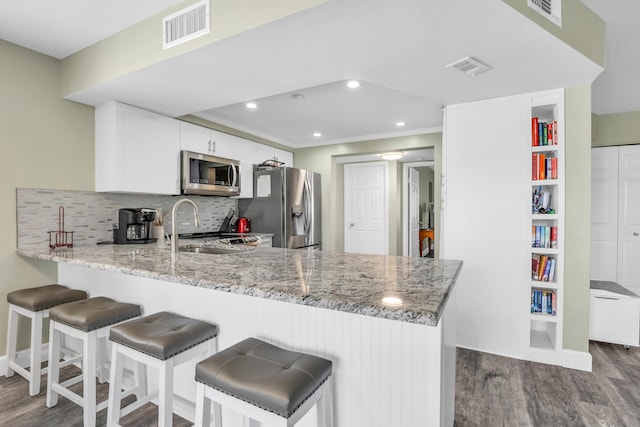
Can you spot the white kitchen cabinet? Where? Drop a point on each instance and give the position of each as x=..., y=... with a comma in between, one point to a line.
x=254, y=153
x=614, y=318
x=615, y=215
x=208, y=141
x=136, y=150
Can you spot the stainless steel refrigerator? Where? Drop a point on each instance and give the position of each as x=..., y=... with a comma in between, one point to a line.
x=286, y=202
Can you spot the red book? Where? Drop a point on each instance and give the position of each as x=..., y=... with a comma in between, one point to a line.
x=534, y=166
x=550, y=134
x=542, y=165
x=534, y=132
x=555, y=132
x=554, y=168
x=554, y=237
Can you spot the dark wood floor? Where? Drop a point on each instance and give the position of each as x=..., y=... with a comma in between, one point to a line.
x=498, y=391
x=17, y=409
x=490, y=391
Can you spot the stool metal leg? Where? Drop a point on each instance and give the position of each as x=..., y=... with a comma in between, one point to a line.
x=203, y=407
x=140, y=378
x=89, y=378
x=115, y=386
x=165, y=396
x=12, y=337
x=36, y=353
x=53, y=375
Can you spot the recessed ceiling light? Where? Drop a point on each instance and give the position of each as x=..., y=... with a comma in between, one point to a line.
x=352, y=84
x=297, y=96
x=251, y=105
x=392, y=155
x=317, y=134
x=400, y=124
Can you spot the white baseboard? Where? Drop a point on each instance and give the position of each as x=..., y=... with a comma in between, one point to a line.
x=580, y=360
x=3, y=365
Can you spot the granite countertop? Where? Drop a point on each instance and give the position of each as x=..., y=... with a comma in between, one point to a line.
x=351, y=283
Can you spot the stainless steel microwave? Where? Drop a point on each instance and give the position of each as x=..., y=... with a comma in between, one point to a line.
x=209, y=175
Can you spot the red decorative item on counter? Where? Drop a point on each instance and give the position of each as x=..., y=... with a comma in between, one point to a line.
x=243, y=225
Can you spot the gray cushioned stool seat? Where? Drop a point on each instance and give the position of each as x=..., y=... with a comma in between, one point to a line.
x=264, y=375
x=44, y=297
x=93, y=313
x=163, y=335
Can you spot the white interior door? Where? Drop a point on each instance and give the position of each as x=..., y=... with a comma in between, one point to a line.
x=365, y=208
x=629, y=217
x=604, y=213
x=414, y=212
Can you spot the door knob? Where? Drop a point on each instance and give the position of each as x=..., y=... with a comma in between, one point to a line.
x=635, y=233
x=352, y=225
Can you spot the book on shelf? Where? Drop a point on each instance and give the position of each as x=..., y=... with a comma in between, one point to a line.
x=543, y=301
x=543, y=268
x=543, y=166
x=544, y=236
x=543, y=133
x=541, y=201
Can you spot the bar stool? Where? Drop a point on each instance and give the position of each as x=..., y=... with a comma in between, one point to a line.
x=89, y=321
x=162, y=340
x=265, y=383
x=34, y=303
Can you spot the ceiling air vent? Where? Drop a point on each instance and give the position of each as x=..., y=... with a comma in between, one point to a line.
x=550, y=9
x=470, y=65
x=186, y=24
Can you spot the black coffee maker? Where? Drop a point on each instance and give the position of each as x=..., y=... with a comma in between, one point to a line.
x=134, y=225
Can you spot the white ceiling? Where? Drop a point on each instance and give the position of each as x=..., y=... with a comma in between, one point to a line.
x=61, y=27
x=398, y=50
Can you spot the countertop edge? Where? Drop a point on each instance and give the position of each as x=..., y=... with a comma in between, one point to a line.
x=408, y=316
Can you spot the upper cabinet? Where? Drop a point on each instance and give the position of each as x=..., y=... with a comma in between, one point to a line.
x=255, y=154
x=136, y=150
x=207, y=141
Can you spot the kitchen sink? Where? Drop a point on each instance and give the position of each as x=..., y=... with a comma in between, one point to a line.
x=207, y=250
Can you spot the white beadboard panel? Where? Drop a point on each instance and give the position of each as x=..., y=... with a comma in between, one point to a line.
x=385, y=372
x=91, y=216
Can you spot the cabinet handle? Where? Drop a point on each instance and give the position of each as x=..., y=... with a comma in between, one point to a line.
x=213, y=147
x=635, y=233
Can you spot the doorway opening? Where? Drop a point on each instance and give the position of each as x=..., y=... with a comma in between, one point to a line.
x=418, y=208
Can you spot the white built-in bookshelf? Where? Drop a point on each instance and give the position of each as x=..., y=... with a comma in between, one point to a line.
x=545, y=289
x=490, y=223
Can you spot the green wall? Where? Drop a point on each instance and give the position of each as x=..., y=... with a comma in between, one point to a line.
x=581, y=28
x=577, y=218
x=616, y=129
x=322, y=159
x=47, y=142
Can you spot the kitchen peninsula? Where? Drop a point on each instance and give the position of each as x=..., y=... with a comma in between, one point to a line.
x=387, y=323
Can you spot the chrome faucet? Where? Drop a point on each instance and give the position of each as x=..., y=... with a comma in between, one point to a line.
x=174, y=224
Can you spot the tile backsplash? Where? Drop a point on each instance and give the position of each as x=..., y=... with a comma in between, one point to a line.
x=91, y=215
